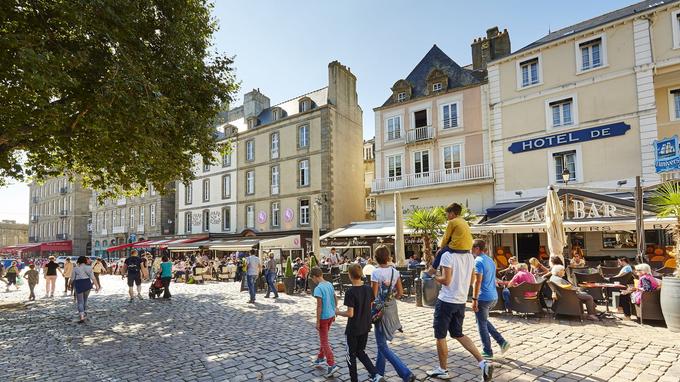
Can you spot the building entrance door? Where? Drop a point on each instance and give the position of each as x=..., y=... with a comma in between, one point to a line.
x=527, y=246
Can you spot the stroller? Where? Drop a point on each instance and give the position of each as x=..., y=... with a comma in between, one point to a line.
x=156, y=287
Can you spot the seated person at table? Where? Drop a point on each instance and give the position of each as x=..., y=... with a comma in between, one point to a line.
x=509, y=272
x=538, y=269
x=412, y=262
x=557, y=279
x=624, y=263
x=555, y=260
x=577, y=260
x=301, y=276
x=647, y=283
x=522, y=276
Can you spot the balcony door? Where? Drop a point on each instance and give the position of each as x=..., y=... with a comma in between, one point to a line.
x=420, y=118
x=421, y=164
x=452, y=156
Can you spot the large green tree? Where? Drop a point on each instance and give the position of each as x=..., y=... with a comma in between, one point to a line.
x=120, y=92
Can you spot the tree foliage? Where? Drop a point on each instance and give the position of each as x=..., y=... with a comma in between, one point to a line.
x=667, y=199
x=119, y=92
x=428, y=223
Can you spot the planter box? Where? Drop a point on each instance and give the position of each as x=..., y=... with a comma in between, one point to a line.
x=670, y=302
x=289, y=285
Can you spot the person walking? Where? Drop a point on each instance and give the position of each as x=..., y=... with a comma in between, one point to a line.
x=68, y=270
x=253, y=269
x=144, y=268
x=325, y=315
x=166, y=275
x=98, y=269
x=456, y=273
x=387, y=289
x=484, y=297
x=132, y=267
x=156, y=265
x=32, y=276
x=11, y=275
x=50, y=274
x=271, y=276
x=82, y=278
x=358, y=299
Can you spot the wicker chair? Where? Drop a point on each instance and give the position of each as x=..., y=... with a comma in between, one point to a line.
x=650, y=307
x=566, y=302
x=597, y=293
x=625, y=279
x=521, y=304
x=610, y=271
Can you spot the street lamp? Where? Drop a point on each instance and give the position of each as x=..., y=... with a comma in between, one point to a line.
x=566, y=175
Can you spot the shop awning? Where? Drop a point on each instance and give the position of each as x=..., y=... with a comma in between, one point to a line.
x=174, y=242
x=243, y=245
x=56, y=246
x=366, y=229
x=285, y=242
x=18, y=248
x=599, y=225
x=189, y=246
x=152, y=243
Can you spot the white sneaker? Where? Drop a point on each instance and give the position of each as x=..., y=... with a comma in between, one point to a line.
x=139, y=296
x=487, y=372
x=378, y=378
x=438, y=372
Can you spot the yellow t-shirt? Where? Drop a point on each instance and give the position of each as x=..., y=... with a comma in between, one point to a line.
x=457, y=235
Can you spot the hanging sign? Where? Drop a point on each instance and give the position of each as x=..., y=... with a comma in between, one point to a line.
x=592, y=133
x=667, y=154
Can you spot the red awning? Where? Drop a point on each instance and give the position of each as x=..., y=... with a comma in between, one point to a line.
x=139, y=244
x=17, y=248
x=57, y=246
x=182, y=241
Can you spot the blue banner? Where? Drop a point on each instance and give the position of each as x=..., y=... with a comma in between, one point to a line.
x=590, y=134
x=667, y=154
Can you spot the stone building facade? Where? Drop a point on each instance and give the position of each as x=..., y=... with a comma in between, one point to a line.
x=12, y=233
x=369, y=175
x=59, y=210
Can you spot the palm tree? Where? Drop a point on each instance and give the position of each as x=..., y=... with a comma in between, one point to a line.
x=667, y=199
x=428, y=223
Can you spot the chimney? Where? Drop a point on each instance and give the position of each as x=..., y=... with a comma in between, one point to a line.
x=253, y=103
x=495, y=45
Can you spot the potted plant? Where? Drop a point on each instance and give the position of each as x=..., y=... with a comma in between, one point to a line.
x=289, y=277
x=428, y=223
x=312, y=263
x=667, y=199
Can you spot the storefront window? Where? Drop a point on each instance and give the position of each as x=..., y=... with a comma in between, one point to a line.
x=578, y=239
x=619, y=240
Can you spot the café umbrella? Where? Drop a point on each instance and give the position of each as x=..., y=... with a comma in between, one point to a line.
x=399, y=251
x=554, y=219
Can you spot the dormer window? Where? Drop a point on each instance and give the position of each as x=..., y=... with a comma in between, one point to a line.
x=401, y=91
x=437, y=87
x=252, y=122
x=276, y=114
x=401, y=97
x=305, y=104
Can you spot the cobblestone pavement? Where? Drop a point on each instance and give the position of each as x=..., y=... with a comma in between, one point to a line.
x=209, y=333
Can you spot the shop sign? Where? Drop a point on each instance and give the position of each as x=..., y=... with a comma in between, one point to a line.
x=590, y=134
x=667, y=154
x=345, y=242
x=579, y=210
x=261, y=217
x=288, y=215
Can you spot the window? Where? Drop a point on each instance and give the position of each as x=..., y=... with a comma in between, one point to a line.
x=132, y=217
x=370, y=204
x=141, y=215
x=368, y=152
x=401, y=97
x=303, y=136
x=276, y=214
x=274, y=145
x=452, y=157
x=437, y=87
x=152, y=190
x=250, y=182
x=591, y=54
x=450, y=113
x=565, y=160
x=303, y=167
x=226, y=219
x=121, y=222
x=226, y=186
x=113, y=219
x=674, y=104
x=206, y=190
x=206, y=167
x=152, y=215
x=304, y=211
x=250, y=150
x=251, y=123
x=421, y=163
x=619, y=240
x=394, y=167
x=675, y=23
x=529, y=72
x=561, y=112
x=304, y=106
x=226, y=160
x=275, y=180
x=420, y=118
x=187, y=222
x=250, y=216
x=276, y=114
x=206, y=220
x=188, y=193
x=393, y=128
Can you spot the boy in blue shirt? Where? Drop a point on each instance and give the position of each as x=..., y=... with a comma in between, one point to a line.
x=325, y=315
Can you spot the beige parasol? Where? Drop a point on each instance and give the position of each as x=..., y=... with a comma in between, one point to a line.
x=554, y=217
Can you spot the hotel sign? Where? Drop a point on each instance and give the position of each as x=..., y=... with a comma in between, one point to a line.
x=667, y=154
x=590, y=134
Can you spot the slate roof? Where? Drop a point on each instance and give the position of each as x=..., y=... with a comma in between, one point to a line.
x=435, y=58
x=597, y=21
x=319, y=97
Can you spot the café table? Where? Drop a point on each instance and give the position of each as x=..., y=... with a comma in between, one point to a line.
x=606, y=295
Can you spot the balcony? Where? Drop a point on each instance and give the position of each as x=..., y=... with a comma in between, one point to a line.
x=140, y=228
x=420, y=134
x=454, y=175
x=62, y=236
x=104, y=232
x=119, y=229
x=63, y=190
x=34, y=219
x=63, y=213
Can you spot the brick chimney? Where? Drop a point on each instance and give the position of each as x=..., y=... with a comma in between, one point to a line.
x=495, y=45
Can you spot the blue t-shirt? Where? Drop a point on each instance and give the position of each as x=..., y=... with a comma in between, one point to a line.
x=627, y=269
x=485, y=266
x=166, y=269
x=325, y=291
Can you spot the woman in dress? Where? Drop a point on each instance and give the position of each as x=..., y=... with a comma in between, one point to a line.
x=82, y=279
x=387, y=288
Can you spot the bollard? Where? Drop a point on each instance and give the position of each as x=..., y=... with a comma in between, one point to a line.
x=419, y=291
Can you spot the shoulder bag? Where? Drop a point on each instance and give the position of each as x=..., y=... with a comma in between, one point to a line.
x=379, y=304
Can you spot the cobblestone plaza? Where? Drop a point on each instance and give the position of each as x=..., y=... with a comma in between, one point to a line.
x=209, y=333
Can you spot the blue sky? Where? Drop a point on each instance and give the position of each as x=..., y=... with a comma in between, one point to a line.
x=283, y=47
